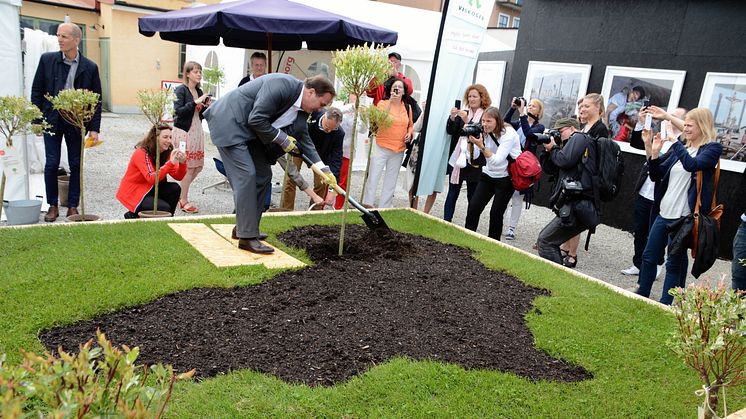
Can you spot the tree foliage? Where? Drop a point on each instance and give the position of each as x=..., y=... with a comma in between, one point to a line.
x=711, y=337
x=153, y=104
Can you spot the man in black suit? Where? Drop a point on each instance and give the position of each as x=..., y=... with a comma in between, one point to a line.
x=64, y=69
x=253, y=125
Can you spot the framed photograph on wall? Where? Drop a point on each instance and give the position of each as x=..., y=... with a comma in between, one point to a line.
x=558, y=85
x=491, y=74
x=627, y=89
x=724, y=94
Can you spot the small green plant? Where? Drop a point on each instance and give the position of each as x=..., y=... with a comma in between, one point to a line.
x=711, y=338
x=376, y=119
x=77, y=106
x=214, y=77
x=358, y=68
x=18, y=116
x=153, y=103
x=100, y=381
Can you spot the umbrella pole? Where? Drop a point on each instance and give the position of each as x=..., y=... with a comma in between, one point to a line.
x=269, y=52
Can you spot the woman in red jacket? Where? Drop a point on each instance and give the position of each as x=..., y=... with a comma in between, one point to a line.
x=136, y=190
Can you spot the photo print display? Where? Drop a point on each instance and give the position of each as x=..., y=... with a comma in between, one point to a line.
x=724, y=94
x=627, y=89
x=490, y=74
x=558, y=85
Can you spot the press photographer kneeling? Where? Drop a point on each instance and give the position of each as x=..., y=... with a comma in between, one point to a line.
x=572, y=199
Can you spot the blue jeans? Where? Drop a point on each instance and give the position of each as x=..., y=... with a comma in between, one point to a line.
x=676, y=265
x=453, y=192
x=643, y=219
x=738, y=268
x=52, y=152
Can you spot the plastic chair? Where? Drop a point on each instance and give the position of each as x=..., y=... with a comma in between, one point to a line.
x=223, y=185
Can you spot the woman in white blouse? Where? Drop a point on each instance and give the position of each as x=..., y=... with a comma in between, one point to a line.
x=498, y=142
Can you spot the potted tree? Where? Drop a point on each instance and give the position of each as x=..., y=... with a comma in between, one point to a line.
x=153, y=103
x=711, y=338
x=18, y=116
x=358, y=69
x=77, y=107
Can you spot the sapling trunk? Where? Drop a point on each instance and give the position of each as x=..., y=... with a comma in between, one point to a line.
x=82, y=156
x=367, y=166
x=349, y=176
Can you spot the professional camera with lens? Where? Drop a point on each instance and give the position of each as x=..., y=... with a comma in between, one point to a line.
x=475, y=130
x=569, y=191
x=546, y=138
x=519, y=101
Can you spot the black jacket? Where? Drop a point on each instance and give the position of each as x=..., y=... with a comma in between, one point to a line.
x=568, y=162
x=184, y=107
x=328, y=145
x=50, y=78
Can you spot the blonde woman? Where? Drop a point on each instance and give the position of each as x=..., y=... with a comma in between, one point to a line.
x=188, y=108
x=675, y=176
x=590, y=114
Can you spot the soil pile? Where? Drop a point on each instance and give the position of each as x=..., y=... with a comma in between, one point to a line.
x=404, y=296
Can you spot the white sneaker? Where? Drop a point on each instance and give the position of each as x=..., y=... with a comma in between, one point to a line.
x=658, y=271
x=632, y=270
x=510, y=235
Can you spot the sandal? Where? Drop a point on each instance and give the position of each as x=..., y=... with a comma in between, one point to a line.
x=567, y=261
x=188, y=208
x=564, y=253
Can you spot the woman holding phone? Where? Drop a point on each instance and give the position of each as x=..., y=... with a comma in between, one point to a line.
x=188, y=108
x=463, y=164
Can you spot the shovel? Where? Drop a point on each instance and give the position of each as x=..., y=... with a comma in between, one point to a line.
x=372, y=219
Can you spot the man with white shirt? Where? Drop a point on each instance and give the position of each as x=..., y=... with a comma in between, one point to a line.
x=252, y=126
x=644, y=201
x=257, y=68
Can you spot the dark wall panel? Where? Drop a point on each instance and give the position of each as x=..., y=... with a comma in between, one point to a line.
x=698, y=36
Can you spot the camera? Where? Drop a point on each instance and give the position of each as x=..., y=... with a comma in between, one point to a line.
x=395, y=90
x=519, y=101
x=475, y=130
x=547, y=137
x=569, y=190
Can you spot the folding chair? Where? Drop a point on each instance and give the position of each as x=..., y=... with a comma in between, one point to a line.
x=223, y=185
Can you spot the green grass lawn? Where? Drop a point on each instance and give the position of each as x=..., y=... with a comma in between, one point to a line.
x=57, y=275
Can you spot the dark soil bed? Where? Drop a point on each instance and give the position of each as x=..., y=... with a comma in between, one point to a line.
x=321, y=325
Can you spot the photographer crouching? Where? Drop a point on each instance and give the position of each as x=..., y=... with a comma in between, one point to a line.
x=572, y=199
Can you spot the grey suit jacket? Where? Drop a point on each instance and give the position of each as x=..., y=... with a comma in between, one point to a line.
x=246, y=114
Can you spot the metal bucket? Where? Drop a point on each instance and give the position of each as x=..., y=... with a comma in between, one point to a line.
x=63, y=187
x=25, y=211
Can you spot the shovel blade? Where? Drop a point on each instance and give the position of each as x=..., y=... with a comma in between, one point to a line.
x=375, y=222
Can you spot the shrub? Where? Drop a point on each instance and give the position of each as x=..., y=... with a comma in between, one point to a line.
x=99, y=381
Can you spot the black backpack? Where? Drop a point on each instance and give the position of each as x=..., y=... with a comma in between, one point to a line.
x=609, y=170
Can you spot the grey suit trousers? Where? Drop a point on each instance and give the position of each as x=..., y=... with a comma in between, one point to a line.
x=250, y=174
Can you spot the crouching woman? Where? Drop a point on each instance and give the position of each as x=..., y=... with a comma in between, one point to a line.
x=498, y=142
x=136, y=190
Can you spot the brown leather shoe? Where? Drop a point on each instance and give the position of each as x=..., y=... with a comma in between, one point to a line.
x=234, y=236
x=52, y=213
x=254, y=246
x=72, y=211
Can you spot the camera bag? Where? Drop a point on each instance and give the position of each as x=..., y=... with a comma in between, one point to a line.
x=524, y=171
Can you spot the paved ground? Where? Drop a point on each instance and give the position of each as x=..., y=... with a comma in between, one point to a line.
x=610, y=251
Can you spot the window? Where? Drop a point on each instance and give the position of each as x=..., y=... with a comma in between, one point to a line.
x=50, y=27
x=516, y=22
x=182, y=59
x=502, y=21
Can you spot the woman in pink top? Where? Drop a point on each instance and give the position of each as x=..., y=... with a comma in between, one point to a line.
x=388, y=150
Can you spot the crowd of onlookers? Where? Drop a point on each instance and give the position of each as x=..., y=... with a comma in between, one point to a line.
x=277, y=118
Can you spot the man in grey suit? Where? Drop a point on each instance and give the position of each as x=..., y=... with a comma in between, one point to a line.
x=252, y=126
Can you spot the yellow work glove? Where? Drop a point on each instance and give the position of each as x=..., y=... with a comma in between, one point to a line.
x=329, y=179
x=288, y=144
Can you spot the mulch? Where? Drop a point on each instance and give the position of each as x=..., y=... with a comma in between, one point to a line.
x=321, y=325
